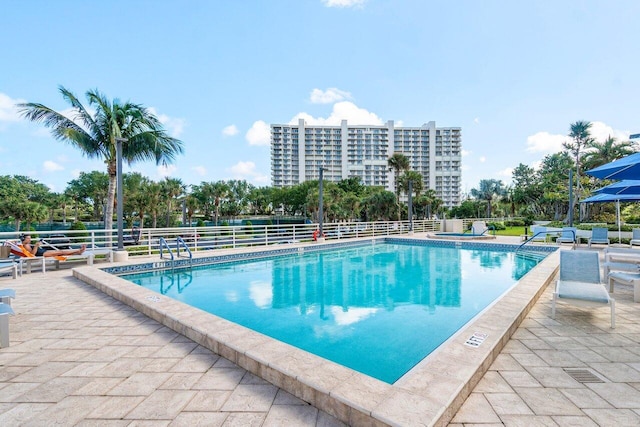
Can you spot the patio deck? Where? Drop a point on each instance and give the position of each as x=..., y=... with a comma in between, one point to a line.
x=79, y=357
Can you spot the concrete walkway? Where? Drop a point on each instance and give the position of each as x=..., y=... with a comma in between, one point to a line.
x=530, y=382
x=79, y=357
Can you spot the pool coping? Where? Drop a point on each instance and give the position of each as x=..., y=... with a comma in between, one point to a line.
x=429, y=394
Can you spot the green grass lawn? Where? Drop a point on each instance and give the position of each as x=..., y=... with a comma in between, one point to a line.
x=512, y=231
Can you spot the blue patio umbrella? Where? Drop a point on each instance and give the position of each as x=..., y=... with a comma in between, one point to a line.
x=603, y=197
x=625, y=187
x=624, y=168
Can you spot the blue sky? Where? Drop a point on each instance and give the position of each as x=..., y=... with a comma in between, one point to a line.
x=512, y=75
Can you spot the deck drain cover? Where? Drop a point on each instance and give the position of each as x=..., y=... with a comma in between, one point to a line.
x=583, y=376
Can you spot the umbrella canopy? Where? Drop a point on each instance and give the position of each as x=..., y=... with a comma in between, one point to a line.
x=624, y=168
x=606, y=197
x=626, y=187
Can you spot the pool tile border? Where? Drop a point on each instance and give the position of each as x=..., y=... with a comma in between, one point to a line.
x=429, y=394
x=273, y=253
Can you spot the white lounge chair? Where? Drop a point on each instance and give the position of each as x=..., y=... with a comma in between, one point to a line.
x=9, y=266
x=626, y=278
x=635, y=237
x=88, y=254
x=599, y=236
x=538, y=233
x=6, y=295
x=580, y=284
x=568, y=235
x=5, y=311
x=478, y=228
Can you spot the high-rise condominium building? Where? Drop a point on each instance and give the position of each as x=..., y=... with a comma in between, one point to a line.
x=298, y=153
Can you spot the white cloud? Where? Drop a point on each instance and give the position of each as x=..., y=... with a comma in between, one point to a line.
x=51, y=166
x=601, y=131
x=8, y=110
x=344, y=110
x=507, y=172
x=344, y=3
x=353, y=315
x=544, y=142
x=482, y=159
x=398, y=123
x=166, y=170
x=174, y=126
x=76, y=173
x=230, y=130
x=260, y=293
x=329, y=96
x=465, y=153
x=200, y=170
x=247, y=170
x=259, y=134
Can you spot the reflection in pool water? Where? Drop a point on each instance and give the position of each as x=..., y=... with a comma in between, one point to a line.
x=378, y=309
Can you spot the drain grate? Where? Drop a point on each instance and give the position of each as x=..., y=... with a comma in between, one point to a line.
x=583, y=376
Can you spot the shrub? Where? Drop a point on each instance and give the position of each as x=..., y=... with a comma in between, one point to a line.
x=78, y=225
x=200, y=223
x=514, y=223
x=496, y=226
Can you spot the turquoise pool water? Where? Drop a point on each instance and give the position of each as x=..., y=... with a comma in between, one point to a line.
x=378, y=309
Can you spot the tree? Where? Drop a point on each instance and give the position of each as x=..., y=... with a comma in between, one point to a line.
x=579, y=133
x=487, y=189
x=91, y=187
x=380, y=205
x=172, y=188
x=554, y=181
x=399, y=163
x=95, y=134
x=526, y=189
x=601, y=153
x=22, y=199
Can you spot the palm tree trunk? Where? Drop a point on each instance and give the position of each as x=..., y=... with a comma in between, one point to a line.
x=111, y=195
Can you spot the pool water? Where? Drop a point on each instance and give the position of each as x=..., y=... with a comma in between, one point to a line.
x=378, y=309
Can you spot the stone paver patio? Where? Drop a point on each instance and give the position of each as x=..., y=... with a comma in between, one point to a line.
x=79, y=357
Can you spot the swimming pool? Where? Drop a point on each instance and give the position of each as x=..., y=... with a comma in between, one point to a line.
x=376, y=308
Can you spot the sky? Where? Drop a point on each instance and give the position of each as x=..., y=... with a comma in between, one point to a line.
x=512, y=75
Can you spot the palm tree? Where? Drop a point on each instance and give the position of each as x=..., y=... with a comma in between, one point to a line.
x=488, y=188
x=399, y=163
x=171, y=189
x=601, y=153
x=579, y=132
x=95, y=134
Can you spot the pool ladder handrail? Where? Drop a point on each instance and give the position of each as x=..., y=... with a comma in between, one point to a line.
x=163, y=243
x=575, y=238
x=180, y=242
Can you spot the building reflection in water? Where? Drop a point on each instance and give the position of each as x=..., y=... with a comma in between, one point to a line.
x=370, y=278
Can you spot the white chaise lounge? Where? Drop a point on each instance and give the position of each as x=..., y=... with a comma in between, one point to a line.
x=580, y=284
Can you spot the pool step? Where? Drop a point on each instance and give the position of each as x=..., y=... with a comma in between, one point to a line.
x=532, y=255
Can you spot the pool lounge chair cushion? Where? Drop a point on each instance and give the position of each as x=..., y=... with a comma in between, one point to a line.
x=583, y=291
